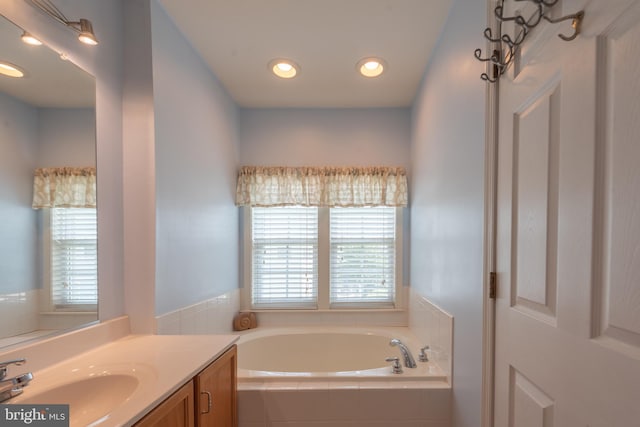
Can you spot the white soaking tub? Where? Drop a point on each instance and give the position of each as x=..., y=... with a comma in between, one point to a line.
x=336, y=375
x=327, y=354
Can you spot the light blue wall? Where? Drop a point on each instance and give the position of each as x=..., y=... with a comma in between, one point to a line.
x=196, y=164
x=325, y=137
x=447, y=187
x=18, y=222
x=67, y=137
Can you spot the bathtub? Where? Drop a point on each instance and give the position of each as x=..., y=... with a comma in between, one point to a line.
x=336, y=375
x=328, y=354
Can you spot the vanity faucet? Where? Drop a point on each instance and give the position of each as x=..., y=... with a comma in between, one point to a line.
x=409, y=361
x=5, y=365
x=13, y=386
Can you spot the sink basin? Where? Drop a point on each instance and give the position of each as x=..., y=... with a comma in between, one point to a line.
x=90, y=399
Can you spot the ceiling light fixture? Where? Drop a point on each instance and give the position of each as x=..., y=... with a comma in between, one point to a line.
x=10, y=70
x=284, y=68
x=29, y=39
x=371, y=67
x=83, y=26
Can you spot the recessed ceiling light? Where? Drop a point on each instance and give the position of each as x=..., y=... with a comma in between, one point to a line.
x=370, y=67
x=10, y=70
x=29, y=39
x=284, y=68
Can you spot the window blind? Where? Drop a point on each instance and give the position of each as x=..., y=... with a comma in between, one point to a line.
x=74, y=258
x=362, y=242
x=285, y=257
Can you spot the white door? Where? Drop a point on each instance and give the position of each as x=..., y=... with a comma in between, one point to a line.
x=568, y=254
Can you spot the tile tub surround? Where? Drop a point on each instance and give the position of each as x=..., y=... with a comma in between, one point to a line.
x=366, y=397
x=18, y=313
x=343, y=404
x=213, y=316
x=434, y=327
x=22, y=317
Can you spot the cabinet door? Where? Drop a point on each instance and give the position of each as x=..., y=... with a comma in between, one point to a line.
x=216, y=388
x=175, y=411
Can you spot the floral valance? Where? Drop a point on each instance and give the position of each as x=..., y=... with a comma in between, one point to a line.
x=64, y=188
x=322, y=186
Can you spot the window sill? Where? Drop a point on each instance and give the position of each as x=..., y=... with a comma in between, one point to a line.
x=330, y=310
x=333, y=317
x=68, y=313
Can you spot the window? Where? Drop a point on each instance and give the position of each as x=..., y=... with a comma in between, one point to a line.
x=285, y=257
x=314, y=240
x=310, y=257
x=363, y=255
x=74, y=259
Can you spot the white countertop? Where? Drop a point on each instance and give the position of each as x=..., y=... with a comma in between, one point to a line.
x=161, y=364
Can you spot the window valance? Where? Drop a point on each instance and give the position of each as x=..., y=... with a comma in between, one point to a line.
x=65, y=187
x=322, y=186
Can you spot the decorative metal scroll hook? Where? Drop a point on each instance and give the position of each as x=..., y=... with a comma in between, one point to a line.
x=576, y=24
x=547, y=3
x=486, y=78
x=478, y=54
x=534, y=23
x=498, y=12
x=517, y=42
x=489, y=36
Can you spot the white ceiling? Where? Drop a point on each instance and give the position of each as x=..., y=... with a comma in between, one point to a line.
x=237, y=39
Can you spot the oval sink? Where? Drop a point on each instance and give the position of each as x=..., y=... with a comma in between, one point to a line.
x=89, y=400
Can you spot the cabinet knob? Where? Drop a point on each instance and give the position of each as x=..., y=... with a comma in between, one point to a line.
x=209, y=402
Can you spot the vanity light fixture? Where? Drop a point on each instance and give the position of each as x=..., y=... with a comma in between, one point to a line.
x=284, y=68
x=10, y=70
x=86, y=35
x=28, y=38
x=82, y=26
x=371, y=66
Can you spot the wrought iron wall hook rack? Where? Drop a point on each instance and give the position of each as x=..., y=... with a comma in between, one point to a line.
x=506, y=46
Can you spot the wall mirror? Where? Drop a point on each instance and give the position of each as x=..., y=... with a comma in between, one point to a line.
x=48, y=247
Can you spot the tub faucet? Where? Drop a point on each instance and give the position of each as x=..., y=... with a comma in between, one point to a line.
x=409, y=361
x=13, y=386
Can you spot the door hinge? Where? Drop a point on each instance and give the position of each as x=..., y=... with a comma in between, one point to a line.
x=493, y=285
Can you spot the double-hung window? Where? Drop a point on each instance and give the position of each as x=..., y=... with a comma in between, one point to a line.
x=322, y=238
x=74, y=259
x=315, y=257
x=362, y=256
x=284, y=257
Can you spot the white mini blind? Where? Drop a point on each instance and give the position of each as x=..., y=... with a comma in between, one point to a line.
x=285, y=257
x=363, y=251
x=74, y=258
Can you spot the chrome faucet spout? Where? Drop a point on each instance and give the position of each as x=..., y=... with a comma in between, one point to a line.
x=409, y=361
x=13, y=386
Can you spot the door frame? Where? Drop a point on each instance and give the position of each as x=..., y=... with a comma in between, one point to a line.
x=490, y=232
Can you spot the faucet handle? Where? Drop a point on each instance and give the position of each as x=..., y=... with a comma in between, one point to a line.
x=4, y=365
x=396, y=367
x=423, y=355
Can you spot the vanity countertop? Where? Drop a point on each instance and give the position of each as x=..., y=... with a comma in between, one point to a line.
x=154, y=366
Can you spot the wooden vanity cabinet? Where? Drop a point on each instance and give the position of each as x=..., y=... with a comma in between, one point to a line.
x=208, y=400
x=216, y=392
x=175, y=411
